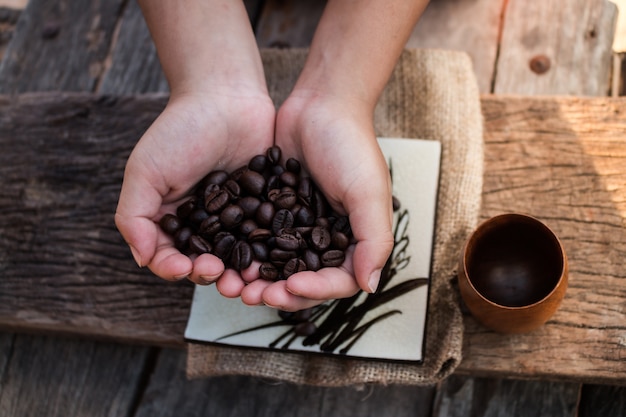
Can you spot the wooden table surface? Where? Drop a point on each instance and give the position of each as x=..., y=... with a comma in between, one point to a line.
x=66, y=271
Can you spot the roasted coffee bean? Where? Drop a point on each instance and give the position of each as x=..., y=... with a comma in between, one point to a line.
x=282, y=219
x=170, y=223
x=265, y=214
x=303, y=315
x=216, y=201
x=318, y=204
x=224, y=246
x=333, y=258
x=184, y=210
x=273, y=194
x=210, y=226
x=274, y=154
x=247, y=227
x=268, y=271
x=258, y=163
x=199, y=245
x=232, y=188
x=287, y=316
x=216, y=177
x=236, y=174
x=286, y=199
x=278, y=170
x=259, y=235
x=260, y=251
x=322, y=221
x=304, y=231
x=273, y=183
x=294, y=210
x=342, y=224
x=305, y=217
x=181, y=238
x=219, y=235
x=249, y=205
x=289, y=179
x=293, y=266
x=312, y=260
x=340, y=241
x=208, y=190
x=283, y=256
x=231, y=216
x=320, y=238
x=198, y=215
x=305, y=191
x=305, y=328
x=293, y=165
x=252, y=182
x=288, y=241
x=241, y=255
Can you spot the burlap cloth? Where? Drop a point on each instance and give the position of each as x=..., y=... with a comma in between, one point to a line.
x=432, y=94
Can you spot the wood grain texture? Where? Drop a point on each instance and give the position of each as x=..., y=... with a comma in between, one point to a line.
x=59, y=45
x=460, y=397
x=246, y=396
x=132, y=65
x=461, y=25
x=288, y=23
x=61, y=167
x=58, y=377
x=602, y=401
x=576, y=36
x=561, y=160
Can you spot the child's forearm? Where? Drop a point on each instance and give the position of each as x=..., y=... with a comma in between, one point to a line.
x=356, y=46
x=204, y=43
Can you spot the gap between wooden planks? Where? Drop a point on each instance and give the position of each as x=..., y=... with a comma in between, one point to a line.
x=65, y=268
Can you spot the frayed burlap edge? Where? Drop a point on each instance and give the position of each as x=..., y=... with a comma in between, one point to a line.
x=433, y=95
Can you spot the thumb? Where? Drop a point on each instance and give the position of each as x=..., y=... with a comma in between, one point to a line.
x=138, y=204
x=371, y=223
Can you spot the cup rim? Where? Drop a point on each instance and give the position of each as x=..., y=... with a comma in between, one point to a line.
x=527, y=217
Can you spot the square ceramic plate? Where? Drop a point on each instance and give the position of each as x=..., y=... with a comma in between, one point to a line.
x=387, y=325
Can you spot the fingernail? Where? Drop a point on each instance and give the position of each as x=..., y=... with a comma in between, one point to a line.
x=136, y=256
x=373, y=281
x=208, y=279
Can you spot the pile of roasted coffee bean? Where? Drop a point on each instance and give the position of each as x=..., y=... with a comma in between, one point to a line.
x=264, y=211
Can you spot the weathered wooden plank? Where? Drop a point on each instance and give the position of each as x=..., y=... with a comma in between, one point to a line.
x=59, y=45
x=57, y=229
x=562, y=160
x=575, y=37
x=288, y=23
x=245, y=396
x=133, y=65
x=58, y=377
x=8, y=20
x=479, y=397
x=602, y=401
x=461, y=25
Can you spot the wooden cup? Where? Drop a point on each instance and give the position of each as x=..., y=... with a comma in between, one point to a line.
x=513, y=273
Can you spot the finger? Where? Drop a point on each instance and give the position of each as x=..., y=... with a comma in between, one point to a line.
x=327, y=283
x=137, y=208
x=277, y=296
x=207, y=269
x=371, y=225
x=252, y=294
x=168, y=262
x=251, y=273
x=230, y=284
